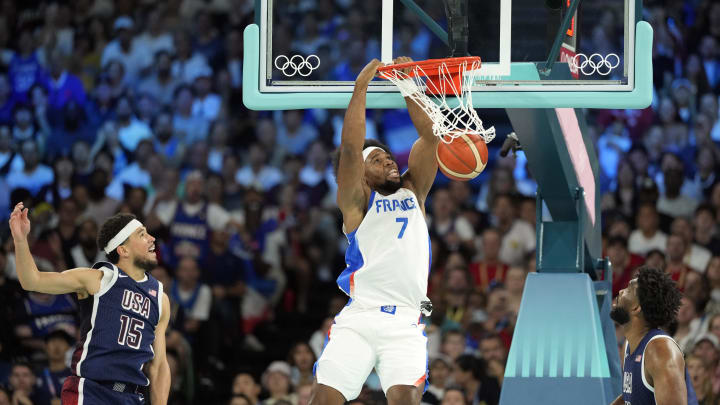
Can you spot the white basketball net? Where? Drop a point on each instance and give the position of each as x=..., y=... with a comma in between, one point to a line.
x=449, y=122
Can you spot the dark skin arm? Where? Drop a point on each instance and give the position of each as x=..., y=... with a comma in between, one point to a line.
x=665, y=371
x=353, y=191
x=422, y=166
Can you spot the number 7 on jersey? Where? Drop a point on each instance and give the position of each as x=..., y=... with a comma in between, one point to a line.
x=404, y=221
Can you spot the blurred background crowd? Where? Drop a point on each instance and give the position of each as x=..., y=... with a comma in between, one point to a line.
x=135, y=106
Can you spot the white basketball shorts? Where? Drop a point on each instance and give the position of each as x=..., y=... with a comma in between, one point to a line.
x=388, y=338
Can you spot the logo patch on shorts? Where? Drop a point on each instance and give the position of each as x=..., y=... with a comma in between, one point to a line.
x=388, y=309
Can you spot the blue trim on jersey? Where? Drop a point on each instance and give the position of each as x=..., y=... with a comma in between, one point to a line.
x=372, y=198
x=327, y=339
x=427, y=363
x=353, y=259
x=353, y=256
x=429, y=254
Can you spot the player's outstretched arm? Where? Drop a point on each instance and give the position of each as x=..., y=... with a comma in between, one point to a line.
x=351, y=190
x=81, y=280
x=159, y=370
x=666, y=367
x=422, y=166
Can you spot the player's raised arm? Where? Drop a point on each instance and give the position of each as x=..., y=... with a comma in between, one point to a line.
x=352, y=192
x=665, y=365
x=81, y=280
x=422, y=166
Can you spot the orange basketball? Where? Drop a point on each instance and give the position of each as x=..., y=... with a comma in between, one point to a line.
x=464, y=158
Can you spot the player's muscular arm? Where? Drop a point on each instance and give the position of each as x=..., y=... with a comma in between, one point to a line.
x=665, y=371
x=422, y=166
x=81, y=280
x=159, y=370
x=618, y=401
x=352, y=191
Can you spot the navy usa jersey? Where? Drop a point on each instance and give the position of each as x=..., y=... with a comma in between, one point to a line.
x=636, y=389
x=118, y=328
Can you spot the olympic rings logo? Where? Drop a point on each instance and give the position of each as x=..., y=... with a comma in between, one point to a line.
x=595, y=63
x=297, y=65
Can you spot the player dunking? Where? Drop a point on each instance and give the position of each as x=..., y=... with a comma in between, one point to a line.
x=124, y=314
x=653, y=369
x=387, y=262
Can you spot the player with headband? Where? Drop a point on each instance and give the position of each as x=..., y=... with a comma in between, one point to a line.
x=124, y=314
x=388, y=260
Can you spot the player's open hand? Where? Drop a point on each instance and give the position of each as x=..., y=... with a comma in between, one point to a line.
x=19, y=222
x=368, y=72
x=403, y=59
x=21, y=398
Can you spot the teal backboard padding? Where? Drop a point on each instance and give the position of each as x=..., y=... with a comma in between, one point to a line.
x=640, y=97
x=558, y=342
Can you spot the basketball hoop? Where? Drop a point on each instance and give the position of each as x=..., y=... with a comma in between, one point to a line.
x=431, y=83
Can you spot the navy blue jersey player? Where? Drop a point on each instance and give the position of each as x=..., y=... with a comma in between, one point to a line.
x=653, y=367
x=124, y=314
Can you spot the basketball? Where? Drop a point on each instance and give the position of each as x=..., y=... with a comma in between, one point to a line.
x=463, y=158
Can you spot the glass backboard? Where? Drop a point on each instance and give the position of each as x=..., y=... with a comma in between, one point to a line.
x=320, y=46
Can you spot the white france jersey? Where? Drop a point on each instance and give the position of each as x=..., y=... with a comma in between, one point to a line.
x=388, y=259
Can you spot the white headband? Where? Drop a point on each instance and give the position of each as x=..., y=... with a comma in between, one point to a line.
x=367, y=151
x=124, y=233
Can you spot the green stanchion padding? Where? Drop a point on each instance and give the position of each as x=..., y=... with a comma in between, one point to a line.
x=558, y=350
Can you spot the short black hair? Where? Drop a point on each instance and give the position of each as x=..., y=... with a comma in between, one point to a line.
x=181, y=88
x=20, y=107
x=468, y=362
x=638, y=147
x=60, y=334
x=160, y=53
x=658, y=296
x=109, y=229
x=618, y=241
x=654, y=252
x=706, y=208
x=511, y=197
x=243, y=396
x=22, y=363
x=449, y=332
x=458, y=389
x=647, y=204
x=493, y=336
x=368, y=143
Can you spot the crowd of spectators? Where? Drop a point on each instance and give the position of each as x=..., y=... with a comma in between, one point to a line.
x=135, y=106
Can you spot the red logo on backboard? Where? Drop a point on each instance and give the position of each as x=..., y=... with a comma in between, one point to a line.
x=567, y=55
